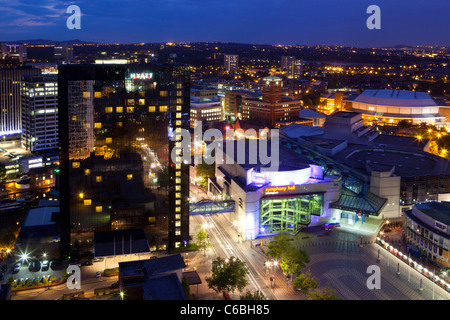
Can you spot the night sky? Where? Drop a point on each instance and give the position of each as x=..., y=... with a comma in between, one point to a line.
x=312, y=22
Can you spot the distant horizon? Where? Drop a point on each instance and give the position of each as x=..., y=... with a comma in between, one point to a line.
x=223, y=42
x=259, y=22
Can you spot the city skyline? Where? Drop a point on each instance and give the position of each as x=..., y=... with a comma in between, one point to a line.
x=285, y=22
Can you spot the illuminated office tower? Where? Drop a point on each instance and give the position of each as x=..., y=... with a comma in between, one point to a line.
x=118, y=125
x=292, y=67
x=39, y=112
x=13, y=51
x=10, y=99
x=231, y=62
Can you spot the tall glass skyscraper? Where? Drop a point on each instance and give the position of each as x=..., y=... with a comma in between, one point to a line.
x=117, y=126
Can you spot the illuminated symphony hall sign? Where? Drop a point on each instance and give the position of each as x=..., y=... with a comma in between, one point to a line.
x=278, y=190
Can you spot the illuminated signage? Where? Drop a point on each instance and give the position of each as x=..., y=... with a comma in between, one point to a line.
x=277, y=190
x=440, y=226
x=141, y=76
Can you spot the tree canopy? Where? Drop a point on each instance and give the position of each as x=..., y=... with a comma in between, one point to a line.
x=227, y=274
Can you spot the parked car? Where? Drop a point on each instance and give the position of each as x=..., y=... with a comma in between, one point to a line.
x=16, y=267
x=97, y=260
x=87, y=263
x=98, y=274
x=45, y=265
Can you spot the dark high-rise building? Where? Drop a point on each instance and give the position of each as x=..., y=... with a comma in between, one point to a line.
x=63, y=53
x=118, y=125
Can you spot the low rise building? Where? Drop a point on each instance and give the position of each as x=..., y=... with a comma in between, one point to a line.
x=426, y=228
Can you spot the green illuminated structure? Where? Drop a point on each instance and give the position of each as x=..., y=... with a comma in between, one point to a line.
x=285, y=214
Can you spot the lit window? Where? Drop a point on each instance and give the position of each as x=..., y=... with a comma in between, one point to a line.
x=129, y=176
x=178, y=202
x=178, y=216
x=97, y=94
x=98, y=125
x=178, y=115
x=87, y=172
x=141, y=102
x=130, y=109
x=178, y=123
x=130, y=102
x=86, y=94
x=98, y=209
x=178, y=180
x=163, y=93
x=98, y=178
x=177, y=209
x=75, y=165
x=119, y=109
x=177, y=223
x=87, y=202
x=179, y=108
x=163, y=108
x=108, y=109
x=151, y=109
x=177, y=194
x=178, y=173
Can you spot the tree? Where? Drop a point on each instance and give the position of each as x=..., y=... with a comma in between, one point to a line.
x=305, y=281
x=227, y=275
x=278, y=246
x=203, y=241
x=293, y=261
x=186, y=287
x=205, y=171
x=324, y=293
x=7, y=239
x=256, y=295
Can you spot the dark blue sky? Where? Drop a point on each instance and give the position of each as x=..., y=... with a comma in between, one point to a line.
x=332, y=22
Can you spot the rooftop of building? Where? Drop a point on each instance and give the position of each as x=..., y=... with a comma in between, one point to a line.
x=407, y=162
x=309, y=113
x=164, y=287
x=40, y=216
x=118, y=242
x=399, y=98
x=152, y=267
x=439, y=211
x=250, y=154
x=296, y=130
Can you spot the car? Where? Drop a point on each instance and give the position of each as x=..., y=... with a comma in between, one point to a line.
x=16, y=267
x=45, y=265
x=37, y=265
x=34, y=266
x=56, y=265
x=97, y=260
x=98, y=274
x=87, y=263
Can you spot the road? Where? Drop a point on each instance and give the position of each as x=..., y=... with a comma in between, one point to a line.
x=226, y=244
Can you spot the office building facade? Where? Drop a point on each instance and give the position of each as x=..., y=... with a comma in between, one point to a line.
x=39, y=113
x=118, y=126
x=274, y=107
x=292, y=67
x=10, y=99
x=231, y=62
